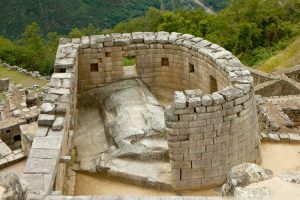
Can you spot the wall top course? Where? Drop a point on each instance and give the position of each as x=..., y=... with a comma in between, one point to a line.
x=239, y=77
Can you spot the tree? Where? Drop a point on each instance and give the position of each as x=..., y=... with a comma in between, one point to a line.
x=32, y=36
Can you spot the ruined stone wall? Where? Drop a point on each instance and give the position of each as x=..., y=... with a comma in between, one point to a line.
x=4, y=84
x=207, y=134
x=159, y=63
x=282, y=87
x=46, y=168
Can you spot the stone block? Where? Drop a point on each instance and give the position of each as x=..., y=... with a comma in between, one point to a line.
x=294, y=138
x=194, y=101
x=231, y=93
x=217, y=98
x=207, y=100
x=44, y=153
x=4, y=150
x=162, y=37
x=192, y=173
x=149, y=37
x=46, y=119
x=42, y=131
x=284, y=137
x=274, y=137
x=49, y=142
x=137, y=37
x=40, y=166
x=180, y=100
x=58, y=124
x=201, y=163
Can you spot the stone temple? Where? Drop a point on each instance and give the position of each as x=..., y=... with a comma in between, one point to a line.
x=179, y=117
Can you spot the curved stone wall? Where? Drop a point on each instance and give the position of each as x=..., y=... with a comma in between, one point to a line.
x=212, y=123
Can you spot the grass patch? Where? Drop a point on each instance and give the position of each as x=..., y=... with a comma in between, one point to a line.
x=2, y=97
x=286, y=58
x=20, y=78
x=129, y=61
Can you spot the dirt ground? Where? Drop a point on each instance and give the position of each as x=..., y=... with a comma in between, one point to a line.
x=277, y=157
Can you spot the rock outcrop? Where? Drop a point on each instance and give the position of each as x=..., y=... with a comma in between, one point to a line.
x=243, y=175
x=11, y=183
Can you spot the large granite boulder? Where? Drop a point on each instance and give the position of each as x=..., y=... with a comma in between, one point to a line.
x=11, y=186
x=243, y=175
x=134, y=121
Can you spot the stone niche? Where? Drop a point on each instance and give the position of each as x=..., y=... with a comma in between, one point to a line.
x=212, y=122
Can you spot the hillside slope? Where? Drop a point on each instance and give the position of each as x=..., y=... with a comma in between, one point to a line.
x=63, y=15
x=289, y=57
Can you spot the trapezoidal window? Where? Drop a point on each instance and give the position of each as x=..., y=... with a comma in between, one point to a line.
x=213, y=84
x=165, y=61
x=17, y=138
x=191, y=68
x=61, y=70
x=129, y=67
x=94, y=67
x=7, y=131
x=129, y=61
x=107, y=54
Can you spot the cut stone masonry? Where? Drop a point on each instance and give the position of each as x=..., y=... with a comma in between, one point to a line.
x=212, y=123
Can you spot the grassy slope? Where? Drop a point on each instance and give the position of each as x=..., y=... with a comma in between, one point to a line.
x=289, y=57
x=20, y=78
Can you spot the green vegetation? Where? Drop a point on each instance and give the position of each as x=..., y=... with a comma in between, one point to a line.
x=2, y=97
x=289, y=57
x=20, y=78
x=30, y=51
x=62, y=16
x=254, y=30
x=129, y=61
x=216, y=4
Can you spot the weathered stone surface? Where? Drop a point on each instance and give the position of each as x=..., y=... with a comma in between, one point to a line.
x=207, y=100
x=252, y=193
x=42, y=131
x=180, y=99
x=46, y=120
x=217, y=98
x=294, y=138
x=58, y=124
x=44, y=153
x=291, y=177
x=47, y=108
x=231, y=93
x=243, y=175
x=149, y=37
x=85, y=42
x=274, y=138
x=11, y=183
x=162, y=37
x=4, y=149
x=137, y=37
x=49, y=142
x=40, y=166
x=173, y=37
